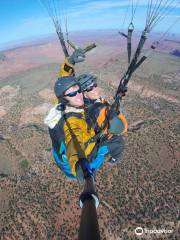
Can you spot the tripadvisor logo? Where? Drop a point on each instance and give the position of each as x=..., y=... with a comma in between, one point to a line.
x=140, y=231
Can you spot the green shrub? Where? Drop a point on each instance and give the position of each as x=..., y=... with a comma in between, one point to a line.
x=24, y=164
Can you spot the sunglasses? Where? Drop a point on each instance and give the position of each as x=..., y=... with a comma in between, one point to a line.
x=91, y=88
x=73, y=94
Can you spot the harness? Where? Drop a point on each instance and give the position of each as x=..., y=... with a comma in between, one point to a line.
x=96, y=119
x=96, y=157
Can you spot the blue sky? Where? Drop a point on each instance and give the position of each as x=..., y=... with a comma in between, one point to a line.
x=20, y=19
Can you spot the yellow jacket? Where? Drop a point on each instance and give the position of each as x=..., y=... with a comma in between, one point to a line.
x=77, y=134
x=66, y=69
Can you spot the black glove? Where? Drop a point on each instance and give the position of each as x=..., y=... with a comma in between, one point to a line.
x=122, y=90
x=77, y=56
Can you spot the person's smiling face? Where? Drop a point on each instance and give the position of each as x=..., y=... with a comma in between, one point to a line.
x=93, y=94
x=74, y=96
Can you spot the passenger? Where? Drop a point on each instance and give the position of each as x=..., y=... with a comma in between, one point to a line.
x=109, y=130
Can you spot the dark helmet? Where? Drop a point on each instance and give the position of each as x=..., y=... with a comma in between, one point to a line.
x=86, y=80
x=64, y=83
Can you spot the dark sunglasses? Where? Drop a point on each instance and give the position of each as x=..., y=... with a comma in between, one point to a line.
x=73, y=94
x=91, y=88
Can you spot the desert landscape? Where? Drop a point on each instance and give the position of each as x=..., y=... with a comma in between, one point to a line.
x=36, y=200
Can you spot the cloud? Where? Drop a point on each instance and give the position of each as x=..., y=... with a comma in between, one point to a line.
x=96, y=6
